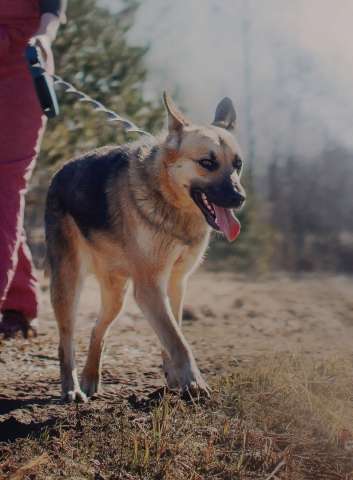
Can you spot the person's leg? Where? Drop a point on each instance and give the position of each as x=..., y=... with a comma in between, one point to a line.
x=23, y=291
x=21, y=129
x=18, y=296
x=21, y=302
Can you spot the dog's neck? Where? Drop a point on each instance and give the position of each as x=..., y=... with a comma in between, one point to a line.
x=158, y=201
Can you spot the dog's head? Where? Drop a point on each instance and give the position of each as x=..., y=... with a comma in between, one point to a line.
x=205, y=163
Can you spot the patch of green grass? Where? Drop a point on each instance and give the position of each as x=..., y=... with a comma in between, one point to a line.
x=282, y=417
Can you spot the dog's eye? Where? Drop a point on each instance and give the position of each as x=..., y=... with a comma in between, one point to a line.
x=208, y=164
x=237, y=163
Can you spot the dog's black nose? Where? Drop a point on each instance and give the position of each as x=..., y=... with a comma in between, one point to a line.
x=226, y=194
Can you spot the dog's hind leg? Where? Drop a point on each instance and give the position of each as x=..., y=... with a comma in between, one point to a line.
x=113, y=289
x=66, y=278
x=66, y=284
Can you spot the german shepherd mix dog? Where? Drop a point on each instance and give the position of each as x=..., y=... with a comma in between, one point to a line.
x=141, y=212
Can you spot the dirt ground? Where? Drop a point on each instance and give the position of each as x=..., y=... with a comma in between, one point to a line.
x=233, y=319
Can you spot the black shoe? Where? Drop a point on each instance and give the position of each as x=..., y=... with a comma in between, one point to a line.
x=14, y=322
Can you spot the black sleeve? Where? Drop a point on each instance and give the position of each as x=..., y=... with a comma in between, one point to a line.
x=51, y=6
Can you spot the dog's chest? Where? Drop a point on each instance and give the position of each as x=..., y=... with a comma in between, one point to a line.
x=162, y=251
x=151, y=244
x=159, y=247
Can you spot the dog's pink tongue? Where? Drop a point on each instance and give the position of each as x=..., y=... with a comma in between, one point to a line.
x=226, y=221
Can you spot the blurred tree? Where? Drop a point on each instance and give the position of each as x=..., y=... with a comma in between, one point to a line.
x=92, y=53
x=311, y=210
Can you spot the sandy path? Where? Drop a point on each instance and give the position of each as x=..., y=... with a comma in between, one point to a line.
x=236, y=318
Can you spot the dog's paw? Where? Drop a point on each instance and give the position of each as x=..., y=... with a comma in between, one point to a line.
x=89, y=386
x=75, y=396
x=170, y=374
x=196, y=391
x=192, y=383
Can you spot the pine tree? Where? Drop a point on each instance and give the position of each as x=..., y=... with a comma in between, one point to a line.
x=91, y=52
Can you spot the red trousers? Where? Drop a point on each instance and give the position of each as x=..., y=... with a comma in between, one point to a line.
x=21, y=128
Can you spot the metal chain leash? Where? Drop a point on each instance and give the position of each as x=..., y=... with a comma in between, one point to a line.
x=126, y=125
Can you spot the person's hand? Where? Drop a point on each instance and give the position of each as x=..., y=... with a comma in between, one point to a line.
x=44, y=43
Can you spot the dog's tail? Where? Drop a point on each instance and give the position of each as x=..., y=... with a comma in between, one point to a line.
x=52, y=221
x=46, y=266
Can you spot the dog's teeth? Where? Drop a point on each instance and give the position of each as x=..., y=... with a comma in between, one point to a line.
x=208, y=205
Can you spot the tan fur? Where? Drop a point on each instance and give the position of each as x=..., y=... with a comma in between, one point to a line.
x=157, y=238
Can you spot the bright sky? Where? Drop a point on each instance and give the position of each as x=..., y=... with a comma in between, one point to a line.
x=290, y=73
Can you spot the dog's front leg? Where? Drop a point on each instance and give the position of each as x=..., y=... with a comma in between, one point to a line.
x=176, y=290
x=153, y=300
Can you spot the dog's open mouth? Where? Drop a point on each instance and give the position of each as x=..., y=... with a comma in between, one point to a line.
x=219, y=218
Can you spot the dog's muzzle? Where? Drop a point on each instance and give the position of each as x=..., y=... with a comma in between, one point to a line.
x=225, y=194
x=216, y=203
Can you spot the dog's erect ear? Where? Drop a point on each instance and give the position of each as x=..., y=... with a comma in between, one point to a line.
x=225, y=115
x=176, y=120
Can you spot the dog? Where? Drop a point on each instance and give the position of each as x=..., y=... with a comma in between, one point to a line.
x=141, y=213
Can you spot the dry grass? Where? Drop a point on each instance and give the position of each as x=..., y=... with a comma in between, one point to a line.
x=283, y=417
